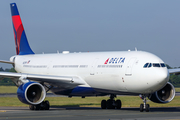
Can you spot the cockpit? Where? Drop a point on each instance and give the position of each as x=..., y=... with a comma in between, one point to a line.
x=148, y=65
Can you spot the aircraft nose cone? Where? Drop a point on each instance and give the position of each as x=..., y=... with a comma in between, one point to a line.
x=159, y=79
x=162, y=76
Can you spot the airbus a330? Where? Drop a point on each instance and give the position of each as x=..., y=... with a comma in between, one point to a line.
x=86, y=74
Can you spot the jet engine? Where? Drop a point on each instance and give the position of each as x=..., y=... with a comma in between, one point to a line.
x=32, y=93
x=164, y=95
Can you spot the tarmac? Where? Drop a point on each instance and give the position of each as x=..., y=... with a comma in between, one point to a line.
x=89, y=113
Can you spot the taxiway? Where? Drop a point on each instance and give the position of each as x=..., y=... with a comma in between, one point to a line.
x=84, y=113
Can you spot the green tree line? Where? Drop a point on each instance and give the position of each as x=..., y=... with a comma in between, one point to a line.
x=6, y=81
x=174, y=79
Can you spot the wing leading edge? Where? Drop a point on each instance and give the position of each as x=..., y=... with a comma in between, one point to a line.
x=8, y=62
x=65, y=81
x=174, y=71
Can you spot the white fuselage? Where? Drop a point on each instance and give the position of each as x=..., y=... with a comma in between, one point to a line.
x=113, y=71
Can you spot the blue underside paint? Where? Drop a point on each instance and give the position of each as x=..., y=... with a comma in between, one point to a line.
x=83, y=91
x=88, y=91
x=77, y=91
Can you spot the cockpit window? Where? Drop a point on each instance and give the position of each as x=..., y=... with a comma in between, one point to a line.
x=148, y=65
x=145, y=66
x=163, y=65
x=156, y=65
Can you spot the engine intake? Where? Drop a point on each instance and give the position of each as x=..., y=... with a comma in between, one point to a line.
x=31, y=93
x=164, y=95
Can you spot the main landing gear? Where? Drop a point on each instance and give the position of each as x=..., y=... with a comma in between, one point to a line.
x=42, y=106
x=45, y=104
x=144, y=106
x=111, y=103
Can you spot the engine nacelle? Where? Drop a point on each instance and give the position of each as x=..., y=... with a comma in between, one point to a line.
x=164, y=95
x=31, y=93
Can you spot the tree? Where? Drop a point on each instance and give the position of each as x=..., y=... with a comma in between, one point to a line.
x=7, y=81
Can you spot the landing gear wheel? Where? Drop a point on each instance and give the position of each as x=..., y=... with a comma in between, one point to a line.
x=37, y=107
x=147, y=107
x=118, y=104
x=141, y=108
x=103, y=104
x=42, y=106
x=31, y=107
x=144, y=106
x=46, y=105
x=110, y=104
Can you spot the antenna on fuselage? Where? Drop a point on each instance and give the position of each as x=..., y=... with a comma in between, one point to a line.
x=136, y=49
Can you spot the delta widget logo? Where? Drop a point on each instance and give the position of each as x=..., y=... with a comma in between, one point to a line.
x=114, y=60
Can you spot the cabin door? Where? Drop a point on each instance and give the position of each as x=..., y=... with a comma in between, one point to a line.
x=94, y=66
x=130, y=66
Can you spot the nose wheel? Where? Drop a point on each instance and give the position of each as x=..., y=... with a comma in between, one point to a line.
x=144, y=106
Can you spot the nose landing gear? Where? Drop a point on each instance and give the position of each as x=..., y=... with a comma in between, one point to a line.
x=111, y=103
x=144, y=106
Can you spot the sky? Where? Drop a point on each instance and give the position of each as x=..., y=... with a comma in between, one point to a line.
x=95, y=25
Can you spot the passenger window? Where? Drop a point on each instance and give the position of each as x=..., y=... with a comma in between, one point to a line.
x=145, y=66
x=163, y=65
x=156, y=65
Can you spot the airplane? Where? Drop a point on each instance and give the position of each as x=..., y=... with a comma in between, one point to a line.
x=86, y=74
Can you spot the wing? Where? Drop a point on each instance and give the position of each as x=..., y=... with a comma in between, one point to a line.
x=174, y=71
x=60, y=81
x=8, y=62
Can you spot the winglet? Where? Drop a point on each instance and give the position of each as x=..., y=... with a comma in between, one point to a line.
x=21, y=42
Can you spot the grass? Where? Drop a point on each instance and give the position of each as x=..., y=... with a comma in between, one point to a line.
x=127, y=101
x=177, y=89
x=8, y=89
